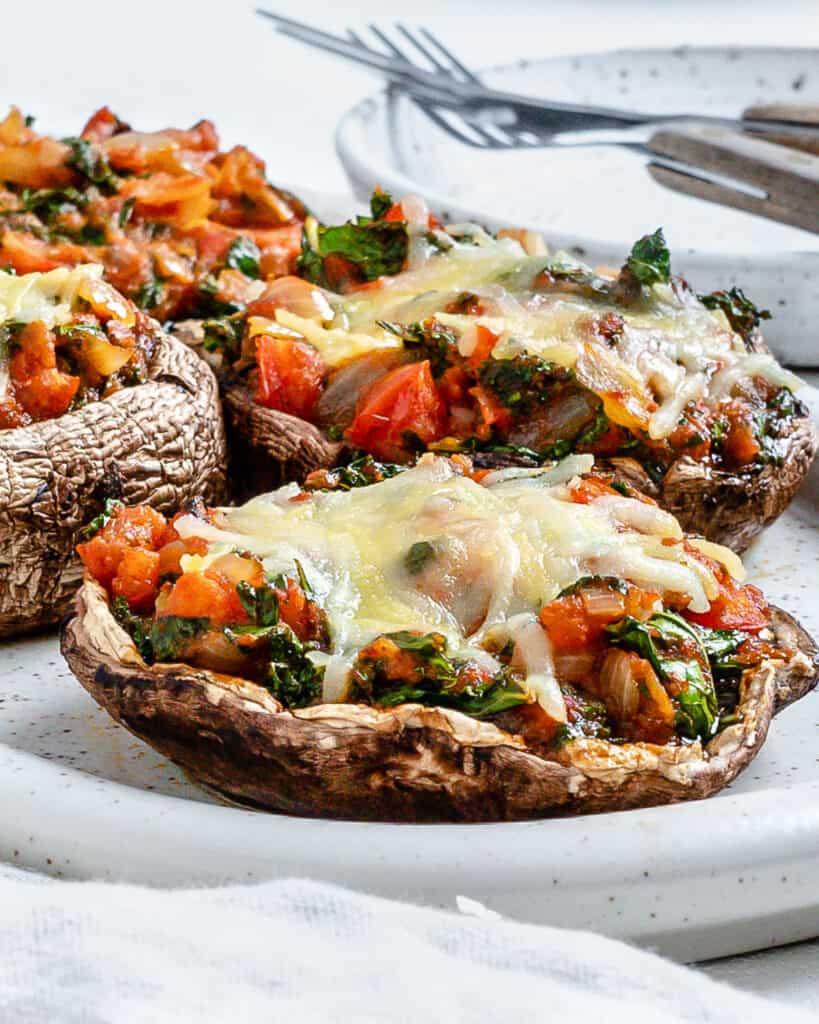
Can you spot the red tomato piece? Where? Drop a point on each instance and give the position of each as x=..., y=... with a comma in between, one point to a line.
x=206, y=595
x=404, y=400
x=137, y=578
x=291, y=375
x=737, y=606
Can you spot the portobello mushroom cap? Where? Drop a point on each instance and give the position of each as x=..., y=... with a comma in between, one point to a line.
x=727, y=506
x=160, y=443
x=408, y=763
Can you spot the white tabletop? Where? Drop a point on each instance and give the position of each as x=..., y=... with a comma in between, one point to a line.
x=173, y=61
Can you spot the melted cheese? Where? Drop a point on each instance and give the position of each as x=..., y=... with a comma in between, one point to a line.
x=502, y=548
x=50, y=297
x=670, y=349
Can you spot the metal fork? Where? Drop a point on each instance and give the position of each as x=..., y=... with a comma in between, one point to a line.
x=450, y=86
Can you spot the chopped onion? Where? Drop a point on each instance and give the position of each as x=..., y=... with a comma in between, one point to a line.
x=336, y=683
x=574, y=668
x=603, y=603
x=620, y=690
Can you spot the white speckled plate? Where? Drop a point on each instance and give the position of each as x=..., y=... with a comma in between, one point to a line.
x=601, y=198
x=81, y=797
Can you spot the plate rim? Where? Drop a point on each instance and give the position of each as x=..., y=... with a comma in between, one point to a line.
x=357, y=168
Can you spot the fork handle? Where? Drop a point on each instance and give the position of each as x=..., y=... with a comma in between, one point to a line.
x=788, y=113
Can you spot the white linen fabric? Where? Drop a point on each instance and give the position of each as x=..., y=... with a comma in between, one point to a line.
x=298, y=951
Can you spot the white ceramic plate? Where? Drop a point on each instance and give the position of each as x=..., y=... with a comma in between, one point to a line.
x=82, y=798
x=601, y=199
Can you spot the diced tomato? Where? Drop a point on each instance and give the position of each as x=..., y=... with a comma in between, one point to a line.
x=48, y=394
x=405, y=400
x=102, y=124
x=494, y=413
x=291, y=375
x=737, y=606
x=486, y=341
x=140, y=529
x=567, y=624
x=172, y=551
x=136, y=526
x=101, y=557
x=137, y=578
x=207, y=595
x=41, y=389
x=396, y=213
x=740, y=445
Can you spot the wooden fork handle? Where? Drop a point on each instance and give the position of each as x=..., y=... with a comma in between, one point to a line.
x=805, y=114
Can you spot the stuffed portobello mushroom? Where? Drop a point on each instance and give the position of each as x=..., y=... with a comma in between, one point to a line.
x=401, y=335
x=435, y=643
x=96, y=403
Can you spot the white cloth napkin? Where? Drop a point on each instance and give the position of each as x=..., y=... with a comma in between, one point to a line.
x=297, y=951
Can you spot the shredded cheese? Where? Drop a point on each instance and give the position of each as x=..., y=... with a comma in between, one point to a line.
x=502, y=548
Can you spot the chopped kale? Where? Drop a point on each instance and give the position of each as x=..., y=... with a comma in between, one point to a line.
x=522, y=382
x=380, y=203
x=418, y=556
x=224, y=334
x=170, y=635
x=126, y=211
x=208, y=306
x=244, y=255
x=260, y=603
x=596, y=429
x=108, y=509
x=150, y=294
x=46, y=203
x=292, y=677
x=361, y=472
x=138, y=628
x=659, y=641
x=438, y=680
x=365, y=249
x=434, y=339
x=91, y=164
x=649, y=261
x=743, y=316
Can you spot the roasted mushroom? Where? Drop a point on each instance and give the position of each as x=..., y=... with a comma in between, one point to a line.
x=402, y=336
x=96, y=403
x=329, y=688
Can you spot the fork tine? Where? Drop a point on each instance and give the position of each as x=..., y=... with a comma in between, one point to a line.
x=434, y=61
x=453, y=60
x=463, y=129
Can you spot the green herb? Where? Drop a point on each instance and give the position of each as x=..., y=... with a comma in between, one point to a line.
x=211, y=307
x=596, y=429
x=436, y=341
x=622, y=488
x=649, y=261
x=292, y=677
x=658, y=641
x=380, y=203
x=150, y=294
x=91, y=164
x=360, y=472
x=244, y=255
x=92, y=235
x=418, y=555
x=108, y=509
x=260, y=603
x=138, y=628
x=375, y=248
x=171, y=634
x=46, y=203
x=224, y=334
x=523, y=381
x=742, y=314
x=436, y=680
x=126, y=211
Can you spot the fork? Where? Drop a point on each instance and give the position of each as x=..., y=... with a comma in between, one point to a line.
x=705, y=158
x=451, y=86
